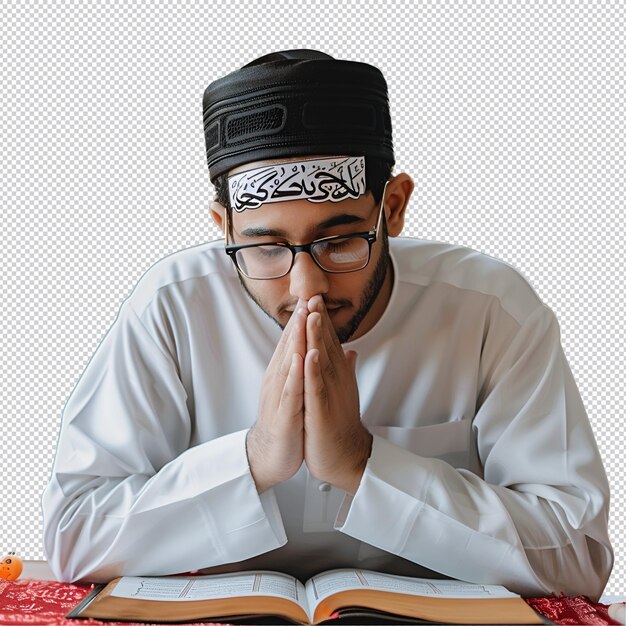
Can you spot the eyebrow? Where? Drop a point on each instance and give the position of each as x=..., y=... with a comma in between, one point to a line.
x=336, y=220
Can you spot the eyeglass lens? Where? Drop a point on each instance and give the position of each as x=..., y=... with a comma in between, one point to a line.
x=271, y=261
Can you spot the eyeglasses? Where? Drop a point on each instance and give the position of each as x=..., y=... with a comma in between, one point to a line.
x=337, y=254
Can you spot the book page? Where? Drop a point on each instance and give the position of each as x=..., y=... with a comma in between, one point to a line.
x=327, y=583
x=211, y=586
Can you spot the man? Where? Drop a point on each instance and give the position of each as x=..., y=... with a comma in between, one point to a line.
x=323, y=395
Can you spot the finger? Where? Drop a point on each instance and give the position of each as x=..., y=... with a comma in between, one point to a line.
x=315, y=341
x=285, y=338
x=292, y=397
x=315, y=391
x=333, y=345
x=295, y=345
x=301, y=305
x=298, y=335
x=284, y=343
x=313, y=302
x=351, y=357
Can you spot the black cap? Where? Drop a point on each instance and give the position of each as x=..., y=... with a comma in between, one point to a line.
x=292, y=103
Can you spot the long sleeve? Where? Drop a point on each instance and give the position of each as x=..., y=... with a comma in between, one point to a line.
x=536, y=520
x=127, y=495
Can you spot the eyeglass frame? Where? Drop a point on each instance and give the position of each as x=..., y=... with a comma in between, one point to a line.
x=371, y=236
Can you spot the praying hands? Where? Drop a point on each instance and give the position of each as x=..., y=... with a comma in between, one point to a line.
x=309, y=407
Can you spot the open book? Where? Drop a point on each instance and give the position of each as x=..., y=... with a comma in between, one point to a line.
x=336, y=595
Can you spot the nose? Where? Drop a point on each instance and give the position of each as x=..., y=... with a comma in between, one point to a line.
x=306, y=278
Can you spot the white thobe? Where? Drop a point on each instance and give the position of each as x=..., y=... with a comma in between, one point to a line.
x=483, y=466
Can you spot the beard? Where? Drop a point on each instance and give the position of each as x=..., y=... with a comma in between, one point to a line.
x=368, y=298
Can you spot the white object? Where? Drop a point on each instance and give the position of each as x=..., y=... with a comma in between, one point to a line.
x=331, y=179
x=618, y=612
x=483, y=467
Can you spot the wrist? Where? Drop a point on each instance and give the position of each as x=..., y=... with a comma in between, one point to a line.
x=352, y=485
x=261, y=483
x=352, y=482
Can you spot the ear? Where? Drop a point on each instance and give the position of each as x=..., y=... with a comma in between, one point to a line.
x=218, y=213
x=397, y=195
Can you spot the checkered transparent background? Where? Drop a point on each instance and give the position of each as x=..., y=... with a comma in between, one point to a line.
x=509, y=116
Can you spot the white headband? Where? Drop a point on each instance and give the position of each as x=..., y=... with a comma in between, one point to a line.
x=316, y=180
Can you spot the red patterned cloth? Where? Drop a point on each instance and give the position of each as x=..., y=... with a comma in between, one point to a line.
x=572, y=610
x=28, y=601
